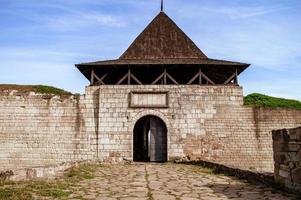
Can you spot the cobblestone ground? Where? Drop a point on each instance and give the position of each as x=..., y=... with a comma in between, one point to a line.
x=169, y=181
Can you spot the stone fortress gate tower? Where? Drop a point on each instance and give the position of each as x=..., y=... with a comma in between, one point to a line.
x=165, y=99
x=162, y=99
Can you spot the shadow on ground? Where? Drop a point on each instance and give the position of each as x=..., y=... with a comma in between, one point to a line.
x=249, y=191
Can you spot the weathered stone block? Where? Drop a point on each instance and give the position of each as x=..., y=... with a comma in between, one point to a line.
x=295, y=134
x=293, y=156
x=293, y=164
x=281, y=158
x=283, y=173
x=280, y=135
x=288, y=158
x=296, y=175
x=294, y=146
x=279, y=146
x=299, y=154
x=297, y=187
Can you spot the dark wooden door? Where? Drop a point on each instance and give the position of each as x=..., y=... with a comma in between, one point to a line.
x=158, y=140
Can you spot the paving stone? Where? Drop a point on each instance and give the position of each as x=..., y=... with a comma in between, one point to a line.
x=163, y=182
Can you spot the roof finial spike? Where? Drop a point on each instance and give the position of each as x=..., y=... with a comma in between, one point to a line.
x=161, y=5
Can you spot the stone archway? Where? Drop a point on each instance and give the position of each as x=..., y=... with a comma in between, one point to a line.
x=150, y=140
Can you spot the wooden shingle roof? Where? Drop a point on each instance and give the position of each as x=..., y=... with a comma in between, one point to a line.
x=164, y=61
x=162, y=39
x=162, y=43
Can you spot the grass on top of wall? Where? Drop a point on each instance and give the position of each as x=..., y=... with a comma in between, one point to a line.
x=261, y=100
x=42, y=89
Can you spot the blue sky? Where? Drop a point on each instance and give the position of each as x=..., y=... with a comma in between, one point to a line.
x=41, y=40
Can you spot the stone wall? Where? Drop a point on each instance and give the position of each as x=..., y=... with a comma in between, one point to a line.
x=243, y=135
x=204, y=123
x=287, y=157
x=266, y=120
x=190, y=107
x=42, y=130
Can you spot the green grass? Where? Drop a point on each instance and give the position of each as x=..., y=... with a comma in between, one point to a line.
x=42, y=89
x=59, y=188
x=14, y=194
x=82, y=172
x=53, y=192
x=260, y=100
x=202, y=169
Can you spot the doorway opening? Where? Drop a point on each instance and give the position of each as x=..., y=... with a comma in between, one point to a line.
x=150, y=140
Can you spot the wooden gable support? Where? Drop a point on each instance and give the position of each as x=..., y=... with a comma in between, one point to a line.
x=122, y=79
x=172, y=79
x=158, y=79
x=207, y=78
x=99, y=80
x=129, y=76
x=136, y=79
x=236, y=77
x=232, y=77
x=163, y=77
x=92, y=77
x=201, y=75
x=193, y=79
x=198, y=75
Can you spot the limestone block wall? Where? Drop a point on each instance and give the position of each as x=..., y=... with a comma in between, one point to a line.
x=287, y=157
x=204, y=122
x=207, y=123
x=267, y=120
x=42, y=130
x=190, y=107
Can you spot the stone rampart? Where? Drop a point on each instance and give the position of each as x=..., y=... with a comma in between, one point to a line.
x=42, y=130
x=204, y=123
x=207, y=123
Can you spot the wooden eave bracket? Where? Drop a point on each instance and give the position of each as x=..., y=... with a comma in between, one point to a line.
x=129, y=76
x=234, y=77
x=201, y=75
x=165, y=75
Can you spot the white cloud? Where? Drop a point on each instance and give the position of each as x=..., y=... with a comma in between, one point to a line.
x=81, y=21
x=240, y=12
x=249, y=34
x=23, y=53
x=65, y=18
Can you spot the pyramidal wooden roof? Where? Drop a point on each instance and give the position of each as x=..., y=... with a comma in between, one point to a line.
x=162, y=43
x=162, y=39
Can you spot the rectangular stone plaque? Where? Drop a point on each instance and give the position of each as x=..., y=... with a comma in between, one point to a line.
x=148, y=99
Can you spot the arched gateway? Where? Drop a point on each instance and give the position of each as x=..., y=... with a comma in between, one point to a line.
x=150, y=140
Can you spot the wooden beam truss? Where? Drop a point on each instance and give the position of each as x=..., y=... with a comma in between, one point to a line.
x=129, y=76
x=163, y=78
x=200, y=76
x=95, y=77
x=233, y=77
